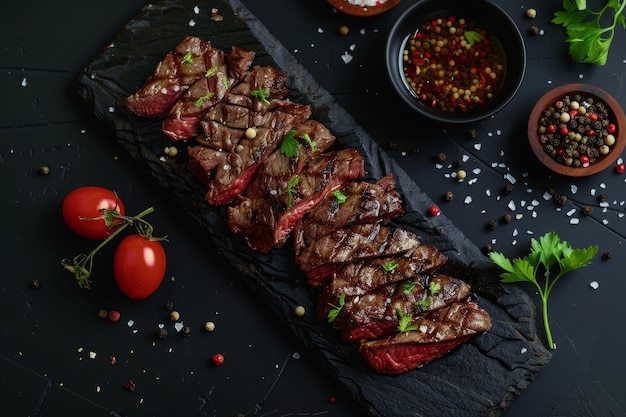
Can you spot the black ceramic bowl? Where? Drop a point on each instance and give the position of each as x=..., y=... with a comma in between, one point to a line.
x=499, y=28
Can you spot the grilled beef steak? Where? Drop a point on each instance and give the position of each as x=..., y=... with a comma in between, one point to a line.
x=358, y=202
x=268, y=221
x=183, y=120
x=180, y=68
x=435, y=334
x=377, y=313
x=319, y=259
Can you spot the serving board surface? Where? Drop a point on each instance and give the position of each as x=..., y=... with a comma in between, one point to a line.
x=480, y=378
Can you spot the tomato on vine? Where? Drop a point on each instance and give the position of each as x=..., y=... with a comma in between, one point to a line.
x=88, y=211
x=139, y=266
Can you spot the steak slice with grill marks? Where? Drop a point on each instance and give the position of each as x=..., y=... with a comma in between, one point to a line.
x=268, y=221
x=319, y=259
x=377, y=313
x=223, y=71
x=436, y=334
x=362, y=202
x=173, y=75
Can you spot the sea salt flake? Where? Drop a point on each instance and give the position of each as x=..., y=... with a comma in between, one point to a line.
x=111, y=109
x=472, y=181
x=574, y=189
x=488, y=192
x=515, y=232
x=602, y=185
x=178, y=326
x=477, y=146
x=524, y=350
x=130, y=323
x=574, y=220
x=192, y=23
x=512, y=205
x=476, y=171
x=571, y=212
x=347, y=58
x=196, y=9
x=547, y=196
x=438, y=166
x=594, y=284
x=468, y=199
x=320, y=30
x=352, y=47
x=24, y=83
x=510, y=178
x=92, y=355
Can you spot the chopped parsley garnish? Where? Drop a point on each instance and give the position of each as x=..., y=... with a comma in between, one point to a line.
x=404, y=321
x=390, y=266
x=225, y=82
x=188, y=58
x=293, y=183
x=199, y=102
x=307, y=138
x=408, y=287
x=341, y=197
x=289, y=146
x=434, y=287
x=210, y=72
x=262, y=94
x=334, y=312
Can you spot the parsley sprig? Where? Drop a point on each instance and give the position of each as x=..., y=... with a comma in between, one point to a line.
x=336, y=309
x=289, y=145
x=588, y=35
x=549, y=255
x=262, y=94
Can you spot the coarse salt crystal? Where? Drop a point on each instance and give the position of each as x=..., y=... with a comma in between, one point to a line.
x=476, y=171
x=465, y=158
x=320, y=30
x=192, y=23
x=574, y=220
x=510, y=178
x=477, y=146
x=196, y=9
x=571, y=212
x=524, y=350
x=512, y=205
x=547, y=196
x=352, y=47
x=92, y=355
x=574, y=189
x=130, y=323
x=178, y=326
x=346, y=57
x=594, y=285
x=468, y=199
x=24, y=83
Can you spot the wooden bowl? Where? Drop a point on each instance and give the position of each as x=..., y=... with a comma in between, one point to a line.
x=354, y=10
x=616, y=116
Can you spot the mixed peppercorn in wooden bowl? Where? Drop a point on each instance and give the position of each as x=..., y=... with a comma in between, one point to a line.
x=577, y=130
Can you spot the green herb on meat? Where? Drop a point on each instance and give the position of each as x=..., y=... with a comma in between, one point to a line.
x=590, y=33
x=334, y=312
x=199, y=102
x=210, y=72
x=188, y=58
x=404, y=321
x=549, y=256
x=262, y=94
x=341, y=197
x=291, y=185
x=307, y=139
x=289, y=145
x=408, y=287
x=390, y=266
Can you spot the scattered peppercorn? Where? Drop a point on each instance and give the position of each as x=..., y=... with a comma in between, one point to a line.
x=487, y=248
x=448, y=196
x=457, y=163
x=508, y=189
x=103, y=314
x=169, y=305
x=602, y=198
x=344, y=30
x=171, y=150
x=492, y=224
x=619, y=168
x=472, y=133
x=531, y=13
x=217, y=359
x=161, y=333
x=44, y=170
x=130, y=386
x=561, y=199
x=534, y=30
x=434, y=211
x=607, y=255
x=35, y=283
x=174, y=315
x=461, y=175
x=186, y=331
x=209, y=326
x=393, y=145
x=587, y=210
x=250, y=133
x=507, y=218
x=299, y=311
x=114, y=315
x=441, y=157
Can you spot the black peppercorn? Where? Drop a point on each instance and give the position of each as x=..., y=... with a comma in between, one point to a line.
x=441, y=157
x=560, y=199
x=44, y=170
x=492, y=224
x=448, y=196
x=508, y=189
x=507, y=218
x=472, y=133
x=534, y=30
x=103, y=314
x=392, y=145
x=602, y=198
x=487, y=248
x=607, y=255
x=587, y=210
x=169, y=305
x=35, y=283
x=162, y=333
x=186, y=331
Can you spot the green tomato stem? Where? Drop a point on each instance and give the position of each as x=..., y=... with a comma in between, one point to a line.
x=82, y=264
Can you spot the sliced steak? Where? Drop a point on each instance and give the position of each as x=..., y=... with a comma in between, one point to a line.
x=377, y=313
x=203, y=162
x=268, y=221
x=319, y=259
x=240, y=166
x=358, y=278
x=437, y=333
x=180, y=68
x=363, y=202
x=183, y=120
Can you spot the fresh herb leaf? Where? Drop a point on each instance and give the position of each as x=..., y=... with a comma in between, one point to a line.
x=390, y=266
x=188, y=57
x=262, y=94
x=408, y=287
x=334, y=312
x=225, y=82
x=433, y=287
x=590, y=33
x=404, y=321
x=289, y=145
x=210, y=72
x=307, y=139
x=549, y=256
x=291, y=185
x=341, y=197
x=199, y=102
x=472, y=36
x=424, y=304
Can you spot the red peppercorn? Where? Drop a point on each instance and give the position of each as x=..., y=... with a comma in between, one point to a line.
x=551, y=128
x=590, y=132
x=593, y=117
x=584, y=159
x=564, y=131
x=611, y=128
x=560, y=151
x=114, y=315
x=620, y=168
x=574, y=113
x=218, y=359
x=434, y=211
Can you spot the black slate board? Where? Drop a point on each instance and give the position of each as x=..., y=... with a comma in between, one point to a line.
x=480, y=378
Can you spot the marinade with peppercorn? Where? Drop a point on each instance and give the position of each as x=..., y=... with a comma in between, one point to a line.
x=453, y=65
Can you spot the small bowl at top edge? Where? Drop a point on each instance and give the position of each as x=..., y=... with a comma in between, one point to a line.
x=362, y=11
x=615, y=114
x=498, y=25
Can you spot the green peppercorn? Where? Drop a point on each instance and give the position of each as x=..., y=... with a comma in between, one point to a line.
x=344, y=30
x=44, y=170
x=103, y=314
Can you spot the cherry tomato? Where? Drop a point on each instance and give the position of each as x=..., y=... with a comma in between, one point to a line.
x=86, y=203
x=138, y=266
